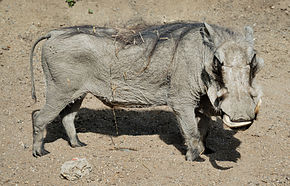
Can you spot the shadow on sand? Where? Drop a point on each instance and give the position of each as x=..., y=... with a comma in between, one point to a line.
x=136, y=122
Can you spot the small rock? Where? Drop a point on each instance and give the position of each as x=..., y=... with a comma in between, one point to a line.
x=75, y=169
x=6, y=48
x=25, y=146
x=90, y=11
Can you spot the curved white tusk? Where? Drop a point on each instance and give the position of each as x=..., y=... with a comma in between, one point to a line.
x=231, y=124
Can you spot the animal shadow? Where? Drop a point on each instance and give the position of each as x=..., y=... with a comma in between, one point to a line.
x=148, y=122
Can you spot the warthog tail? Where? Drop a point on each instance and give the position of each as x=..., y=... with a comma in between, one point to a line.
x=33, y=95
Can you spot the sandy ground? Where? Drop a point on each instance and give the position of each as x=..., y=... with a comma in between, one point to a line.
x=258, y=156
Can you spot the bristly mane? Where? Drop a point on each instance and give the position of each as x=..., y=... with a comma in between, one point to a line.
x=134, y=35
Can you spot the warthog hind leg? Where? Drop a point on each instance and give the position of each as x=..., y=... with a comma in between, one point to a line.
x=68, y=116
x=40, y=119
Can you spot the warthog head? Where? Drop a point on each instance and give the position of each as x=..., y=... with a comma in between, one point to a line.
x=232, y=89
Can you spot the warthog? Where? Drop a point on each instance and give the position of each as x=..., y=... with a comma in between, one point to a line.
x=198, y=70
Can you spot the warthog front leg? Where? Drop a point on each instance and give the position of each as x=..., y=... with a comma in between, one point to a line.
x=189, y=129
x=204, y=123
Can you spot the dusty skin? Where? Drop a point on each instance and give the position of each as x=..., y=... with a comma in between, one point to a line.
x=147, y=148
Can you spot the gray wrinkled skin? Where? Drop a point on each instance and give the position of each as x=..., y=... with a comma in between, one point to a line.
x=198, y=70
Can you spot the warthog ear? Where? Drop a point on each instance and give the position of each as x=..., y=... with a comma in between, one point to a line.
x=257, y=64
x=249, y=35
x=209, y=35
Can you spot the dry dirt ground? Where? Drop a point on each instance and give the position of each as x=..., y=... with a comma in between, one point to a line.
x=154, y=151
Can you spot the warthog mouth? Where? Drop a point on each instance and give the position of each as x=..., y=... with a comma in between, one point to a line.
x=241, y=124
x=235, y=124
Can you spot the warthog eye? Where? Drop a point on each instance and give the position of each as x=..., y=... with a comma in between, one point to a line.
x=216, y=62
x=217, y=69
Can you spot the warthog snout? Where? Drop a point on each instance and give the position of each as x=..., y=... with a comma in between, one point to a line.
x=241, y=113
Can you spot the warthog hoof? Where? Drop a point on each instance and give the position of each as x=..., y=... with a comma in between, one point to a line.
x=77, y=143
x=40, y=152
x=194, y=152
x=192, y=155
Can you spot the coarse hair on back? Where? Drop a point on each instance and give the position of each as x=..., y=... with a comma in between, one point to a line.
x=133, y=35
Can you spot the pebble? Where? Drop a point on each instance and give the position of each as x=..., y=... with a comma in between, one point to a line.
x=5, y=47
x=25, y=146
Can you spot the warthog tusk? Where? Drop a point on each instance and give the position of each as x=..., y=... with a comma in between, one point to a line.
x=257, y=109
x=231, y=124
